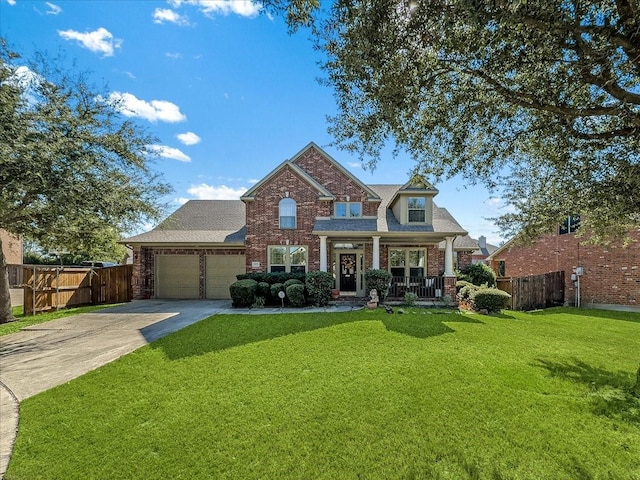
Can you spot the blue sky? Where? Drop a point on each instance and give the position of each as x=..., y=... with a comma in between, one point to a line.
x=226, y=90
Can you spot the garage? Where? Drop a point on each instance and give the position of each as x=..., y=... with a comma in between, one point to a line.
x=177, y=276
x=221, y=273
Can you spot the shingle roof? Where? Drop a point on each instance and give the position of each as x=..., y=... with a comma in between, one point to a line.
x=200, y=221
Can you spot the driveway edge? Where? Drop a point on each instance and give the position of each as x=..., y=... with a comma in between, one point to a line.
x=10, y=408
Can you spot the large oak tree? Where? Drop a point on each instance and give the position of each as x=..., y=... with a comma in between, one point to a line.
x=538, y=99
x=72, y=169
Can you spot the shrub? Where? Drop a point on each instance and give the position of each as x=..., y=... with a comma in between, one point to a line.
x=243, y=293
x=275, y=289
x=410, y=298
x=295, y=293
x=467, y=292
x=319, y=285
x=264, y=289
x=378, y=279
x=479, y=274
x=271, y=277
x=292, y=281
x=259, y=303
x=491, y=299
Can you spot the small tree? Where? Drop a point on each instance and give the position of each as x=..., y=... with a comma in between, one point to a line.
x=479, y=274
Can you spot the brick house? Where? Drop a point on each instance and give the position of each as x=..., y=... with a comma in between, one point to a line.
x=610, y=274
x=309, y=213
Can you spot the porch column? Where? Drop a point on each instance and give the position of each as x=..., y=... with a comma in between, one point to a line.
x=448, y=257
x=323, y=253
x=376, y=252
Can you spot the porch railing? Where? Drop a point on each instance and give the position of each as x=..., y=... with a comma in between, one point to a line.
x=424, y=287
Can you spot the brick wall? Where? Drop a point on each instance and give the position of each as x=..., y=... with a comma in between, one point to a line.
x=611, y=273
x=11, y=247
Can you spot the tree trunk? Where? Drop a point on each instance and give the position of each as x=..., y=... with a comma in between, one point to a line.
x=6, y=314
x=635, y=390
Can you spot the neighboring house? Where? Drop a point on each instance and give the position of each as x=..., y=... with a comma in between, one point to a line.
x=483, y=250
x=610, y=274
x=11, y=247
x=308, y=214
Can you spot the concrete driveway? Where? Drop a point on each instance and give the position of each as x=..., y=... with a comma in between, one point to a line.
x=81, y=343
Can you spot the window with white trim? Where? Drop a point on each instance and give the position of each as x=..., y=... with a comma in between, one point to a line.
x=405, y=262
x=288, y=258
x=417, y=209
x=287, y=213
x=347, y=209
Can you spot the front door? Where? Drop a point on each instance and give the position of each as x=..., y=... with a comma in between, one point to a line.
x=348, y=272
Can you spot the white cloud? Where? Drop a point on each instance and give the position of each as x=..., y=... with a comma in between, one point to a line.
x=174, y=56
x=212, y=192
x=162, y=15
x=253, y=181
x=11, y=2
x=354, y=164
x=188, y=138
x=155, y=110
x=53, y=9
x=244, y=8
x=98, y=41
x=169, y=152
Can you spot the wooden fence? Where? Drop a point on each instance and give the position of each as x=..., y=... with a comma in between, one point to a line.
x=54, y=287
x=15, y=275
x=535, y=291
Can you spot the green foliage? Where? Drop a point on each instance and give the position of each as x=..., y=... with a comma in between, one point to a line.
x=538, y=99
x=75, y=173
x=410, y=298
x=275, y=289
x=479, y=274
x=319, y=285
x=271, y=277
x=467, y=292
x=264, y=289
x=378, y=279
x=295, y=294
x=259, y=302
x=491, y=299
x=292, y=281
x=243, y=293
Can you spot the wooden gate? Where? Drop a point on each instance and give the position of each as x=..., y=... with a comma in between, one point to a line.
x=535, y=291
x=54, y=287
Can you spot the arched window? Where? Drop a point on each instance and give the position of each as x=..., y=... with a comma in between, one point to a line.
x=287, y=207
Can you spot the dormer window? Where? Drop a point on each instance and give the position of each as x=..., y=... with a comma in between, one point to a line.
x=347, y=209
x=570, y=225
x=287, y=208
x=417, y=209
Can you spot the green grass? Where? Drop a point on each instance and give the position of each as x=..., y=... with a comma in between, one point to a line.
x=361, y=395
x=25, y=321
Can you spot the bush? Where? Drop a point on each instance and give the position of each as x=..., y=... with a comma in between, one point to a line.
x=378, y=279
x=292, y=281
x=319, y=285
x=467, y=292
x=243, y=293
x=259, y=303
x=491, y=299
x=295, y=293
x=410, y=298
x=264, y=289
x=479, y=274
x=275, y=289
x=271, y=277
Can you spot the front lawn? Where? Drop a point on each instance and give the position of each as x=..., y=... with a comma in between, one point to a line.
x=360, y=395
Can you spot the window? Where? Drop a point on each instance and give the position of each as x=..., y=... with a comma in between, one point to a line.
x=502, y=268
x=347, y=209
x=287, y=208
x=570, y=225
x=407, y=263
x=417, y=209
x=290, y=258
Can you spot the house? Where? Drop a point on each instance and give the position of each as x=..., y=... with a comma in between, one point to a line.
x=609, y=276
x=483, y=250
x=309, y=213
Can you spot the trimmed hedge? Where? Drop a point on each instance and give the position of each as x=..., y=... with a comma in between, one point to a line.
x=271, y=277
x=275, y=289
x=243, y=293
x=295, y=293
x=491, y=299
x=319, y=285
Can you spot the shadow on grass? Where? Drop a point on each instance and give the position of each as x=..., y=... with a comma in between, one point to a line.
x=610, y=391
x=221, y=332
x=590, y=312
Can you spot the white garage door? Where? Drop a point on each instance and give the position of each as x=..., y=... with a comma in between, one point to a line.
x=177, y=276
x=221, y=272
